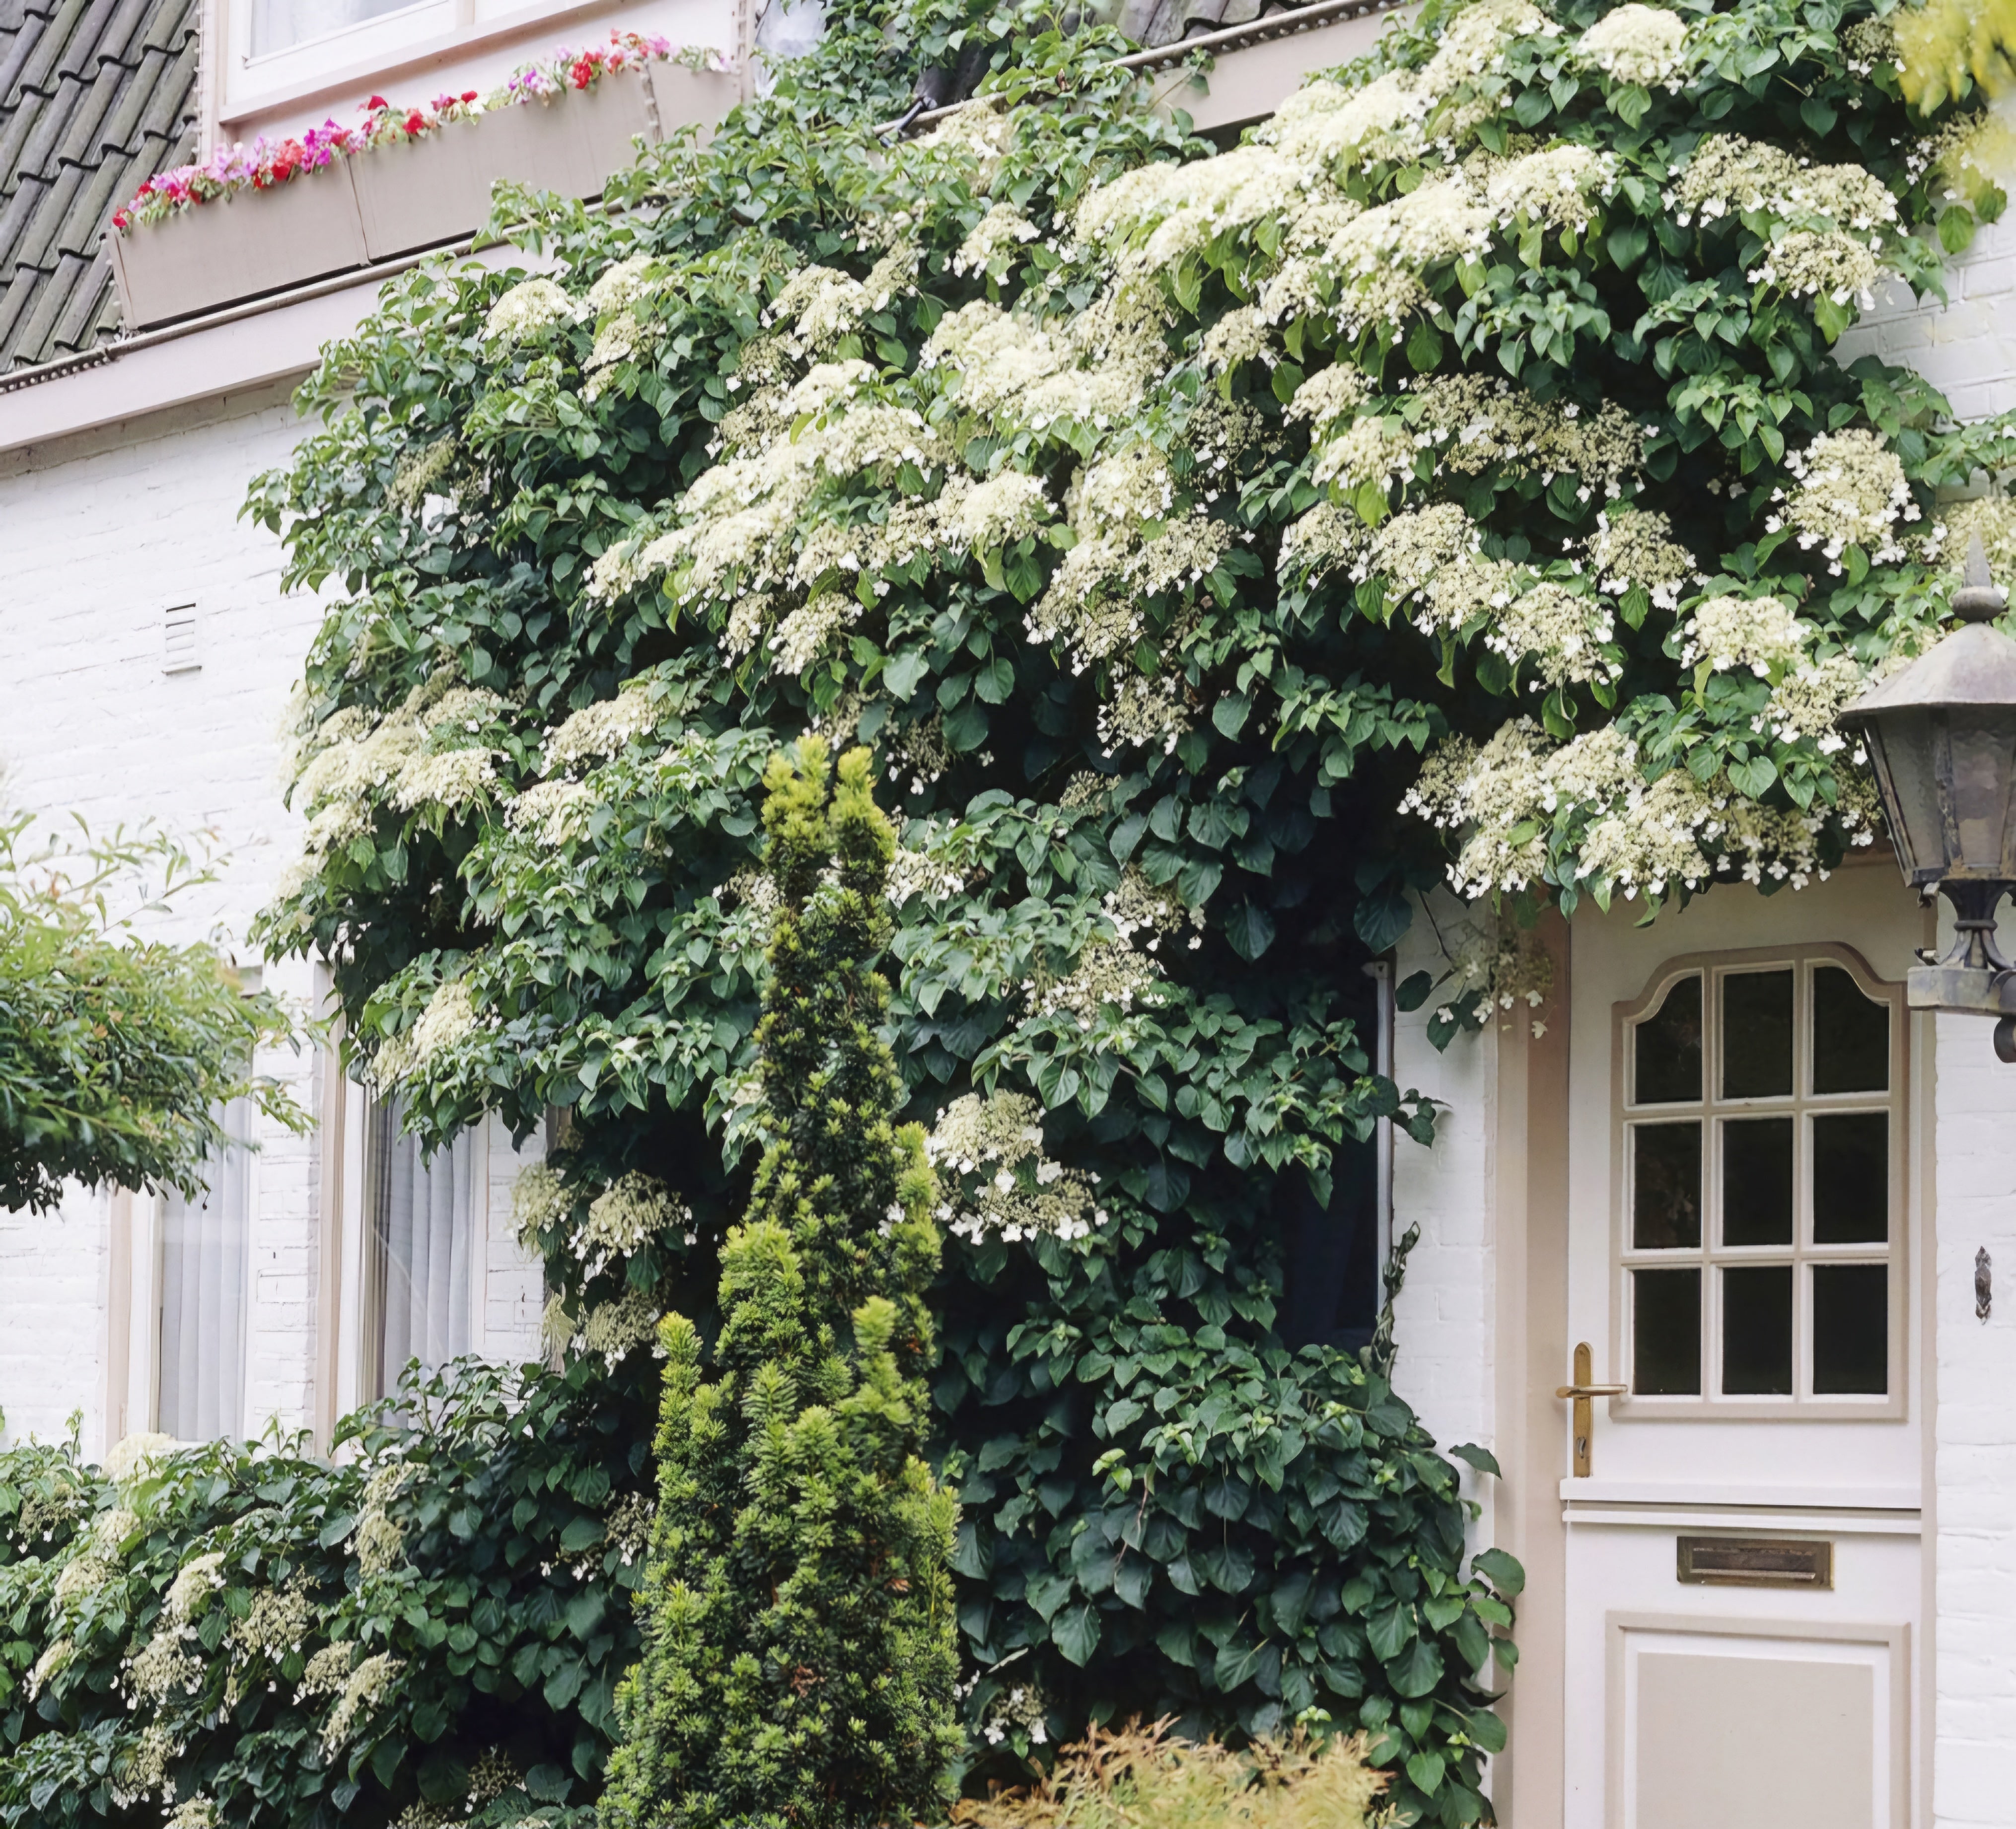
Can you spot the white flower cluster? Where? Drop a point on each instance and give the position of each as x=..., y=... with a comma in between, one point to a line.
x=1637, y=44
x=1564, y=632
x=1805, y=703
x=276, y=1623
x=625, y=1217
x=996, y=238
x=1728, y=634
x=1472, y=423
x=548, y=814
x=1992, y=519
x=1802, y=263
x=379, y=1537
x=449, y=1017
x=1633, y=549
x=818, y=305
x=194, y=1812
x=600, y=729
x=1853, y=492
x=1634, y=836
x=629, y=1527
x=1150, y=218
x=992, y=1149
x=1326, y=126
x=1555, y=187
x=527, y=311
x=364, y=1690
x=1728, y=172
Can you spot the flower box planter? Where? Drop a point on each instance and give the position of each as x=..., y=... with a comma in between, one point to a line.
x=238, y=247
x=397, y=198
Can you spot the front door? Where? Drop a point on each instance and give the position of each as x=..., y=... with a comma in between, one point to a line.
x=1743, y=1576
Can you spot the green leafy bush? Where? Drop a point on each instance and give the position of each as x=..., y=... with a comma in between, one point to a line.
x=118, y=1052
x=799, y=1657
x=429, y=1631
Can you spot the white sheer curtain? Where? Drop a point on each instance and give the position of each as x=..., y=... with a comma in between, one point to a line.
x=277, y=23
x=206, y=1258
x=423, y=1222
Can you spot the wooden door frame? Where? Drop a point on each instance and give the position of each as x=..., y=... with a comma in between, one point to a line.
x=1530, y=1149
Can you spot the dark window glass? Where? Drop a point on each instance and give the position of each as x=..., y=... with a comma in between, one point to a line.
x=1852, y=1178
x=1665, y=1185
x=1757, y=1035
x=1851, y=1036
x=1665, y=1332
x=1851, y=1329
x=1757, y=1181
x=1668, y=1067
x=1756, y=1331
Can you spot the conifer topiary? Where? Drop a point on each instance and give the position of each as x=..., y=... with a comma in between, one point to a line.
x=799, y=1657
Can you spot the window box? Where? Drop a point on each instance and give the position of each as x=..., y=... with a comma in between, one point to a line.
x=238, y=247
x=398, y=198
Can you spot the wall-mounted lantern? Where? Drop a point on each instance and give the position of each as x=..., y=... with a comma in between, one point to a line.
x=1942, y=736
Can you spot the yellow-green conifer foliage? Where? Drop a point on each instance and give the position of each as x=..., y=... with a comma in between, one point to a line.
x=799, y=1657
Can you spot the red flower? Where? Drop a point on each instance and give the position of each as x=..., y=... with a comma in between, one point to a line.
x=377, y=102
x=416, y=122
x=469, y=95
x=582, y=73
x=121, y=220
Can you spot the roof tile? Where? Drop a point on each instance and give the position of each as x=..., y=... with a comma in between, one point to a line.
x=95, y=95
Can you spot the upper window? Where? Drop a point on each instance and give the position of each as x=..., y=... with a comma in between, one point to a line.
x=1762, y=1185
x=423, y=1221
x=279, y=25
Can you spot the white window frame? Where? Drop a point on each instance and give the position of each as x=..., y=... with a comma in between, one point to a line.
x=1711, y=1255
x=137, y=1239
x=344, y=1316
x=403, y=48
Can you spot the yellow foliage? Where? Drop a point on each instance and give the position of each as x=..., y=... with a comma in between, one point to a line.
x=1943, y=43
x=1147, y=1778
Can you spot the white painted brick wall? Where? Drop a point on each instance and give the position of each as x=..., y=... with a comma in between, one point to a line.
x=1968, y=351
x=1443, y=1327
x=102, y=533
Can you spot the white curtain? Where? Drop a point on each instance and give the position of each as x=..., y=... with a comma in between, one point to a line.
x=276, y=24
x=424, y=1223
x=206, y=1256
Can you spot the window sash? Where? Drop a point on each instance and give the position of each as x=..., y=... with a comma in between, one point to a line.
x=1711, y=1256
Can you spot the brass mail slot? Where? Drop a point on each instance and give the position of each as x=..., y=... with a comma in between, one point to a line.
x=1755, y=1562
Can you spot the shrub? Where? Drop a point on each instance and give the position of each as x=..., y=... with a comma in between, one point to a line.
x=1147, y=1778
x=798, y=1660
x=428, y=1631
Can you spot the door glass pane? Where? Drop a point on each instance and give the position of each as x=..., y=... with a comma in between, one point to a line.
x=1852, y=1178
x=1666, y=1183
x=1851, y=1036
x=1852, y=1328
x=1756, y=1331
x=1757, y=1181
x=1667, y=1069
x=1665, y=1332
x=1757, y=1035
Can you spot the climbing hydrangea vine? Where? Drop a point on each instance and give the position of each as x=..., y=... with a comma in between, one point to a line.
x=1460, y=479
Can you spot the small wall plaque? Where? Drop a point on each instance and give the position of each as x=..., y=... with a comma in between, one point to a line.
x=1755, y=1562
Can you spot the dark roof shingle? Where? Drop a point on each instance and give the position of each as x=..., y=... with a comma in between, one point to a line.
x=95, y=95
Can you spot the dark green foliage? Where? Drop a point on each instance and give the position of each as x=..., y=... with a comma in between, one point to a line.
x=484, y=1546
x=799, y=1655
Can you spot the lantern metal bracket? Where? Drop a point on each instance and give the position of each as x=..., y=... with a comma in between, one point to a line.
x=1973, y=977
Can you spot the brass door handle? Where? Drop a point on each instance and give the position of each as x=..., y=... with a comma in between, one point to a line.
x=1581, y=1393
